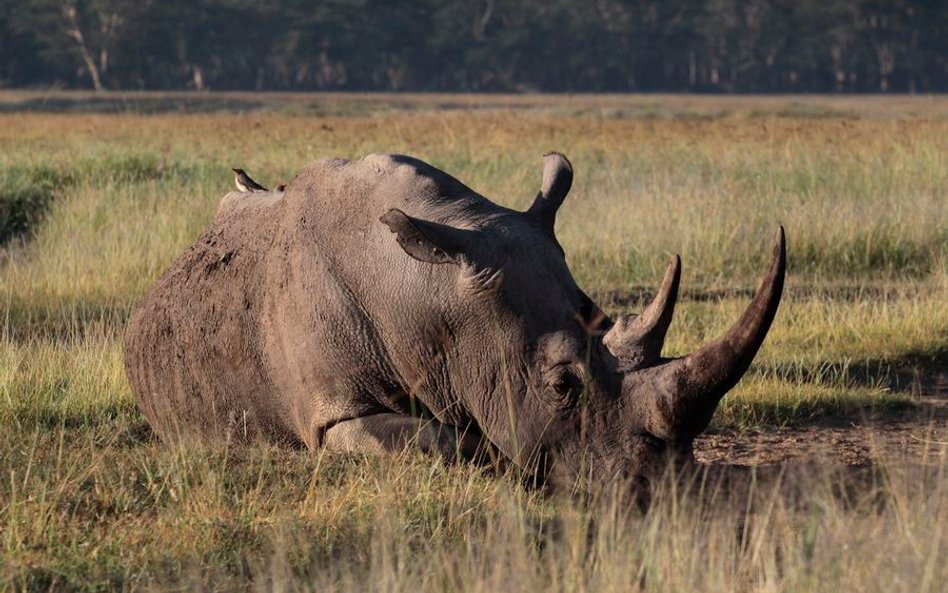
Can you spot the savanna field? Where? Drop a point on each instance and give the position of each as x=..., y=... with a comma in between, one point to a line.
x=827, y=465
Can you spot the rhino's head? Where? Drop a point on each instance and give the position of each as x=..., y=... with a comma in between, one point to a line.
x=552, y=382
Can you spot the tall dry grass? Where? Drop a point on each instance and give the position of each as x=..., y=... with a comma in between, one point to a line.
x=92, y=513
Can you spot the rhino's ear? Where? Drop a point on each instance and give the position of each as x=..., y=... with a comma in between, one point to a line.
x=557, y=179
x=425, y=241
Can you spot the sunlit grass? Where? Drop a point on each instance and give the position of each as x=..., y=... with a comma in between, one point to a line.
x=859, y=199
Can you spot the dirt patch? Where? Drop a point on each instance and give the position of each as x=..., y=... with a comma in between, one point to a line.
x=917, y=435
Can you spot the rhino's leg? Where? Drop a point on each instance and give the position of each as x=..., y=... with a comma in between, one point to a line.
x=385, y=433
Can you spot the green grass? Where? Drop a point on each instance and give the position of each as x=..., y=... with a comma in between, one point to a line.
x=94, y=207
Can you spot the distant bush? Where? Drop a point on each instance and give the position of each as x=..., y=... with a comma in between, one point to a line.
x=26, y=192
x=25, y=196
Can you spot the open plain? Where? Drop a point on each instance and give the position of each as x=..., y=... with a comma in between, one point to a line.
x=827, y=465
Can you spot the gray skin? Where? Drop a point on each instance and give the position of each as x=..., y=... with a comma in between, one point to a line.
x=381, y=304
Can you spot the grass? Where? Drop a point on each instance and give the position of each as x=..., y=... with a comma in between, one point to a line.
x=94, y=206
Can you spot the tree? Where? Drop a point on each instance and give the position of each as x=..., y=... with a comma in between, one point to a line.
x=479, y=45
x=89, y=30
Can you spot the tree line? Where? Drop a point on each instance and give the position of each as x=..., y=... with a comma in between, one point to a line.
x=478, y=45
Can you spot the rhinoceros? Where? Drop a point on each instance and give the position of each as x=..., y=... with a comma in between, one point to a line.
x=380, y=305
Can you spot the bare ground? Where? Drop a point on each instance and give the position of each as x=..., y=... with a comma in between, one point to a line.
x=918, y=434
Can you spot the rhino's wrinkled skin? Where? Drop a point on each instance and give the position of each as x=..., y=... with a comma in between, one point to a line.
x=381, y=304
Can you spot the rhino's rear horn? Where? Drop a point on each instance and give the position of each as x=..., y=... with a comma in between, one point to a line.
x=557, y=179
x=637, y=341
x=687, y=390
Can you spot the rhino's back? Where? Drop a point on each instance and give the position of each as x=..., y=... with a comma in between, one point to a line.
x=192, y=347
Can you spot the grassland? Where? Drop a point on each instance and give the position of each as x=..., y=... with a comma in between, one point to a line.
x=93, y=206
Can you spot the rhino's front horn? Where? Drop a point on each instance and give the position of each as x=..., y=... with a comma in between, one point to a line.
x=686, y=391
x=557, y=179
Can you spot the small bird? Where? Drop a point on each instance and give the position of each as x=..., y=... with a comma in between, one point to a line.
x=245, y=183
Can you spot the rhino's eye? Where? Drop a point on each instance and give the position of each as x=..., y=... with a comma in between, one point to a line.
x=565, y=384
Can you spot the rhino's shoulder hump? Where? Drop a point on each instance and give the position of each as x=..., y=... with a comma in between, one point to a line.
x=411, y=170
x=396, y=172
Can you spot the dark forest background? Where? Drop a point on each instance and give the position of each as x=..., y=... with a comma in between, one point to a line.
x=479, y=45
